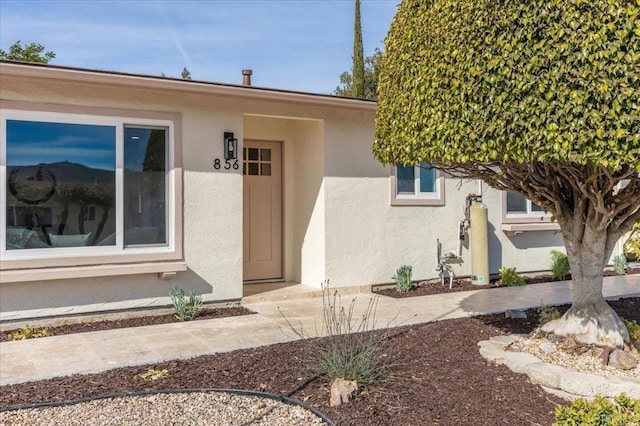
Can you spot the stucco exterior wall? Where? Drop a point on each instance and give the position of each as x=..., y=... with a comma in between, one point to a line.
x=368, y=239
x=338, y=223
x=212, y=225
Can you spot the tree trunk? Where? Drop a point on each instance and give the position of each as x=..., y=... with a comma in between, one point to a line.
x=81, y=219
x=590, y=320
x=103, y=221
x=63, y=219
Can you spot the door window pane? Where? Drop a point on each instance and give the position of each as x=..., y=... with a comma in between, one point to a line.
x=253, y=154
x=145, y=189
x=253, y=169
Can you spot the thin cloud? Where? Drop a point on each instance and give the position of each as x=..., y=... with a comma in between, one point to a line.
x=296, y=45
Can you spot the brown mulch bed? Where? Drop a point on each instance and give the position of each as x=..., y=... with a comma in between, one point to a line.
x=426, y=288
x=439, y=377
x=82, y=327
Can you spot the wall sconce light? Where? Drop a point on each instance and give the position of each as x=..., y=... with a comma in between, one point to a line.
x=230, y=146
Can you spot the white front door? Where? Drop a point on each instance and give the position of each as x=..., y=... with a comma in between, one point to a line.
x=262, y=210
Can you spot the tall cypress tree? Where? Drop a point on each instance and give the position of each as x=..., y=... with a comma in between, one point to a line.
x=358, y=57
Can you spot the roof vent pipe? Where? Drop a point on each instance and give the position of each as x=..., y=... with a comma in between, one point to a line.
x=246, y=77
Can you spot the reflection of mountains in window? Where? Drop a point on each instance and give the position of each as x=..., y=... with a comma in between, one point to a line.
x=65, y=171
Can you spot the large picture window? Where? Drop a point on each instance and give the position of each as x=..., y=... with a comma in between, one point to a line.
x=70, y=181
x=417, y=185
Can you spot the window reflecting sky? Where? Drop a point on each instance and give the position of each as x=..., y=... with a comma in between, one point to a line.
x=33, y=142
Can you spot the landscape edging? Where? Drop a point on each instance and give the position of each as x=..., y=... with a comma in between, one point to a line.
x=573, y=384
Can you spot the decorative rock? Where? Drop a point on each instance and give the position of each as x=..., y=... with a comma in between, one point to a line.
x=515, y=313
x=622, y=360
x=548, y=347
x=342, y=391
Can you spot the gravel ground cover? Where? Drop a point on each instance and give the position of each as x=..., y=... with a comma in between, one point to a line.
x=438, y=378
x=194, y=408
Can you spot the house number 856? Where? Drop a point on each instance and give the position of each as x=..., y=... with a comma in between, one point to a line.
x=217, y=164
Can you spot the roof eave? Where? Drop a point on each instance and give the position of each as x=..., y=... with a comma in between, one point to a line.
x=60, y=73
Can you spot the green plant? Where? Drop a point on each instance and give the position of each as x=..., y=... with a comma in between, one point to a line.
x=634, y=330
x=547, y=313
x=620, y=264
x=153, y=374
x=559, y=265
x=509, y=277
x=186, y=307
x=351, y=350
x=622, y=411
x=27, y=332
x=403, y=279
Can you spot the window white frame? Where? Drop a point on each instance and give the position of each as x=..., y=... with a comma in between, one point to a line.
x=529, y=216
x=531, y=220
x=92, y=255
x=435, y=198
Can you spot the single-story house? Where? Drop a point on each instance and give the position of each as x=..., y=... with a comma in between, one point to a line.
x=116, y=186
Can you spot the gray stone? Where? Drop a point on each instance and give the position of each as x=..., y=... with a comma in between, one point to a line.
x=519, y=361
x=570, y=384
x=548, y=347
x=622, y=360
x=515, y=313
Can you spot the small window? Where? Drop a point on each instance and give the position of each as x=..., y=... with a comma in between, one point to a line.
x=518, y=204
x=257, y=162
x=417, y=185
x=518, y=211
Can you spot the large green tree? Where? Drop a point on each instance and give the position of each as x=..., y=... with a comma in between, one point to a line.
x=541, y=97
x=29, y=53
x=358, y=56
x=371, y=72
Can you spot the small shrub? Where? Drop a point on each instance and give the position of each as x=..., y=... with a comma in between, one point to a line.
x=153, y=374
x=509, y=277
x=621, y=411
x=559, y=265
x=548, y=313
x=186, y=308
x=403, y=279
x=351, y=350
x=634, y=330
x=27, y=332
x=620, y=264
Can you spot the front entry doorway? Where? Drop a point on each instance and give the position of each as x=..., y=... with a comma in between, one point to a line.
x=262, y=210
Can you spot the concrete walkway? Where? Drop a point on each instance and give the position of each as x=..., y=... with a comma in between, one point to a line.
x=36, y=359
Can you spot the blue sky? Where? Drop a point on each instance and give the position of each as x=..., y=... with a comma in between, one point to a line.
x=299, y=45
